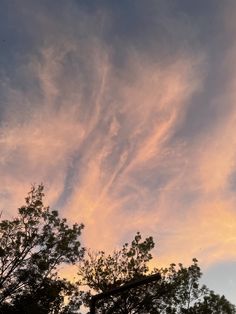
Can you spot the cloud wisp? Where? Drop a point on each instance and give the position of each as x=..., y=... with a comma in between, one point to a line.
x=103, y=137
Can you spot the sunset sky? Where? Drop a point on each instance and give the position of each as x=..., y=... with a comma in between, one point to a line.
x=126, y=112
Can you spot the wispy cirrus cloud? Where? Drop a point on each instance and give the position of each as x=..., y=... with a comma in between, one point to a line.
x=111, y=132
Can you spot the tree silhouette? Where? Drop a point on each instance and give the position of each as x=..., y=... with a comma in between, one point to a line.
x=32, y=246
x=178, y=290
x=35, y=243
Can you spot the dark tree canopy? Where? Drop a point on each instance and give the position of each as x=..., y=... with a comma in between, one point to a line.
x=32, y=246
x=178, y=291
x=35, y=243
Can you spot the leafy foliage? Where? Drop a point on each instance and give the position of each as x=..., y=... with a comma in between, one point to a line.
x=35, y=243
x=101, y=272
x=178, y=290
x=32, y=246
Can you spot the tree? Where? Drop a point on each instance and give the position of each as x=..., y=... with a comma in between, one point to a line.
x=35, y=243
x=216, y=303
x=178, y=291
x=32, y=246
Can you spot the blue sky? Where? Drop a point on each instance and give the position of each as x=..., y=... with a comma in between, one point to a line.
x=125, y=110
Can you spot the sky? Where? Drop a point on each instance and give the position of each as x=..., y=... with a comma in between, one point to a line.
x=126, y=112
